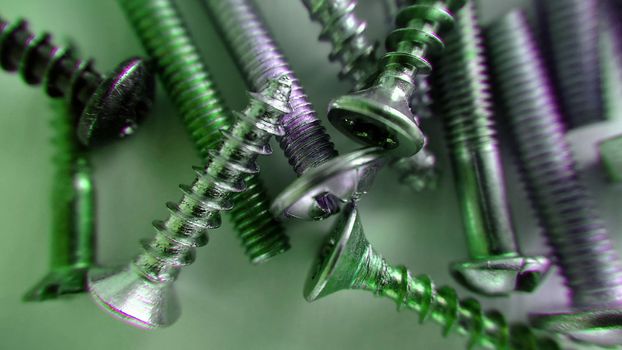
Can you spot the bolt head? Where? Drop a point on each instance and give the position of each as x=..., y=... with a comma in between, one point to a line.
x=318, y=193
x=378, y=117
x=120, y=103
x=130, y=296
x=601, y=326
x=498, y=276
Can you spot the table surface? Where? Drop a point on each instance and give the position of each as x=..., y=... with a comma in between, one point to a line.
x=228, y=303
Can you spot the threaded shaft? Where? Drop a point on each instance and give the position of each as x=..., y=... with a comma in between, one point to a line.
x=40, y=61
x=572, y=36
x=345, y=31
x=466, y=106
x=164, y=36
x=305, y=143
x=576, y=233
x=488, y=329
x=210, y=193
x=417, y=35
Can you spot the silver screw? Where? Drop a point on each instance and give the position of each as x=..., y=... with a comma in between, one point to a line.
x=579, y=240
x=142, y=293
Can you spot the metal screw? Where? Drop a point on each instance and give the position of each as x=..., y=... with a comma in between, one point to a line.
x=496, y=266
x=103, y=107
x=142, y=293
x=73, y=228
x=164, y=35
x=571, y=31
x=326, y=180
x=357, y=56
x=380, y=115
x=347, y=261
x=576, y=233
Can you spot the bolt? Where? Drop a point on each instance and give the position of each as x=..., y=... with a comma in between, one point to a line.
x=72, y=250
x=577, y=235
x=357, y=56
x=347, y=261
x=380, y=115
x=103, y=108
x=306, y=144
x=164, y=35
x=142, y=293
x=571, y=36
x=495, y=266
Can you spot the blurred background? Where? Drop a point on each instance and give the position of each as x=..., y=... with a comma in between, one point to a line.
x=228, y=303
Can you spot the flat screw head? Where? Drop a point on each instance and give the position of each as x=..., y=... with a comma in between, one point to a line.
x=119, y=104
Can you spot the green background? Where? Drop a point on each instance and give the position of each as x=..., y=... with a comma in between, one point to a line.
x=227, y=303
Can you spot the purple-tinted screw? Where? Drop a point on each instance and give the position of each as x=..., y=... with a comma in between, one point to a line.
x=579, y=240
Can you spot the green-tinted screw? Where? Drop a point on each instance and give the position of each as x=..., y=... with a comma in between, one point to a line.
x=348, y=261
x=611, y=157
x=163, y=34
x=495, y=266
x=142, y=292
x=72, y=250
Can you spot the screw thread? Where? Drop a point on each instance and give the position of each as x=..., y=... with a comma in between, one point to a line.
x=576, y=233
x=572, y=31
x=417, y=35
x=488, y=329
x=345, y=31
x=465, y=100
x=199, y=209
x=305, y=143
x=164, y=36
x=40, y=61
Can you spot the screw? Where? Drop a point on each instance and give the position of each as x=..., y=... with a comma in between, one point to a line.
x=327, y=179
x=577, y=235
x=164, y=35
x=142, y=293
x=103, y=107
x=495, y=267
x=571, y=32
x=357, y=56
x=73, y=228
x=347, y=261
x=379, y=115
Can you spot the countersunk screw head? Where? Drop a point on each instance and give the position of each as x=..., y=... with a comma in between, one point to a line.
x=60, y=282
x=119, y=104
x=378, y=116
x=132, y=297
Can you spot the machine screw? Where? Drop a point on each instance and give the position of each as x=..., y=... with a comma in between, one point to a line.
x=576, y=233
x=103, y=108
x=73, y=228
x=326, y=180
x=347, y=261
x=162, y=31
x=357, y=56
x=496, y=266
x=380, y=115
x=142, y=293
x=571, y=32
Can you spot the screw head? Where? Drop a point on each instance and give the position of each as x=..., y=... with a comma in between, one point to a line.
x=601, y=326
x=59, y=283
x=379, y=117
x=317, y=194
x=130, y=296
x=340, y=256
x=499, y=276
x=119, y=104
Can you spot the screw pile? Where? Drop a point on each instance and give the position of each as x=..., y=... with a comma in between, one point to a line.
x=163, y=34
x=390, y=94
